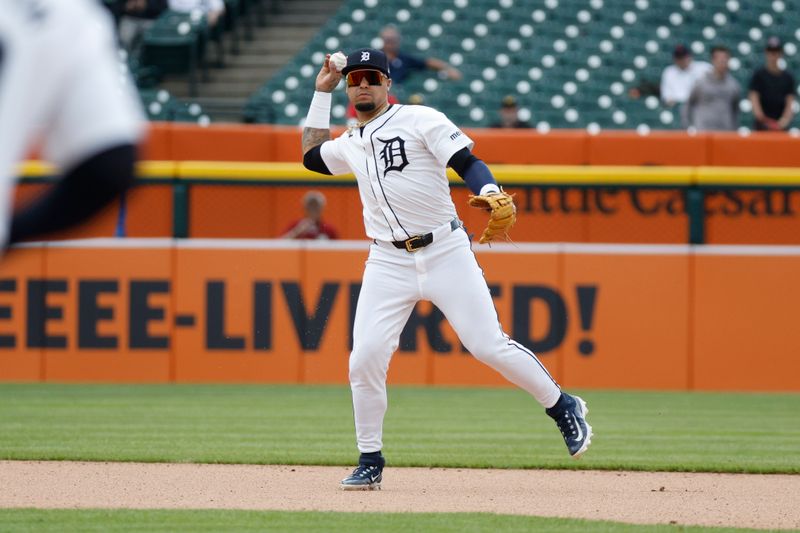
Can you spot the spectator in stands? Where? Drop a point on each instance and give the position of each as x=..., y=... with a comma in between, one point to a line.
x=212, y=9
x=772, y=91
x=678, y=79
x=416, y=99
x=402, y=64
x=135, y=17
x=713, y=103
x=311, y=226
x=509, y=115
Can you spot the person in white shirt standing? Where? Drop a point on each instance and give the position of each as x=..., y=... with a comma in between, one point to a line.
x=60, y=86
x=420, y=251
x=678, y=79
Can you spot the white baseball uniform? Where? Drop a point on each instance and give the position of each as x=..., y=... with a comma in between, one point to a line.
x=400, y=161
x=60, y=82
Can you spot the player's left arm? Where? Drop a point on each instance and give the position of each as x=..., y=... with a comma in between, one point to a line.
x=474, y=172
x=80, y=193
x=451, y=147
x=488, y=195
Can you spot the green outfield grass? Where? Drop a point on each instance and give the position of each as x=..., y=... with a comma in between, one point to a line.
x=39, y=520
x=455, y=427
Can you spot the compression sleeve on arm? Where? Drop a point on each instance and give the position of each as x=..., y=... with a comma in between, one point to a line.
x=319, y=112
x=473, y=171
x=312, y=160
x=81, y=193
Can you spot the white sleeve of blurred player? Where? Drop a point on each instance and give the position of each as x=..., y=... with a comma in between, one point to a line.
x=61, y=87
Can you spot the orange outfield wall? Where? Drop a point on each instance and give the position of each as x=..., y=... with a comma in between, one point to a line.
x=247, y=211
x=596, y=213
x=175, y=141
x=544, y=214
x=718, y=318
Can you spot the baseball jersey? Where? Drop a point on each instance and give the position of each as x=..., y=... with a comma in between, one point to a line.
x=61, y=84
x=400, y=161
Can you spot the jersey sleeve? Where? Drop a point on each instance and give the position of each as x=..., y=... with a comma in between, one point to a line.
x=331, y=152
x=440, y=135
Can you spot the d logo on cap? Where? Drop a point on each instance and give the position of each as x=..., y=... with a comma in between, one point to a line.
x=365, y=58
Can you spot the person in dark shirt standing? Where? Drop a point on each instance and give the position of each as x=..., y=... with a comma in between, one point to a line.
x=772, y=91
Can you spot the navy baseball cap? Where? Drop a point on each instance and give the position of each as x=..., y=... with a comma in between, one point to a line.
x=367, y=58
x=774, y=44
x=680, y=51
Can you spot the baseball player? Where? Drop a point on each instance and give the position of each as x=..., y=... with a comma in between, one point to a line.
x=420, y=250
x=60, y=88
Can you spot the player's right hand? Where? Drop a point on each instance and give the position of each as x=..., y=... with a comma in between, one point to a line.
x=328, y=78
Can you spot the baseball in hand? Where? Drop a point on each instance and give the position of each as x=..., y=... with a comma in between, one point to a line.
x=338, y=61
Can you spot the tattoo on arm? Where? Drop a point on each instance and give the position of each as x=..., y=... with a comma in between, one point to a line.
x=314, y=137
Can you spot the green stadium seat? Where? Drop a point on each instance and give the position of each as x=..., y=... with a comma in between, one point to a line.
x=176, y=44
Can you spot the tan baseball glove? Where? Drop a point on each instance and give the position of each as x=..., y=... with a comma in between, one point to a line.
x=502, y=214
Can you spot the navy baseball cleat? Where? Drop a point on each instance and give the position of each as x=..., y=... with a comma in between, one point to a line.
x=368, y=474
x=364, y=477
x=570, y=416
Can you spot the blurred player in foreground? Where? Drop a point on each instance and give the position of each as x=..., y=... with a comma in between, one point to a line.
x=399, y=155
x=60, y=87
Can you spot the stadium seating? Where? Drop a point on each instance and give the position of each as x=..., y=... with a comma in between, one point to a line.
x=570, y=63
x=175, y=50
x=176, y=44
x=160, y=105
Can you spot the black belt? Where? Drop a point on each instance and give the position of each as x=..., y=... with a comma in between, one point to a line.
x=412, y=244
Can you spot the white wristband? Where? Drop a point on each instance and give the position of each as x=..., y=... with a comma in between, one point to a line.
x=319, y=113
x=488, y=188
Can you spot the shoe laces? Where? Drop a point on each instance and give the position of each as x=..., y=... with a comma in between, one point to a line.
x=567, y=425
x=364, y=471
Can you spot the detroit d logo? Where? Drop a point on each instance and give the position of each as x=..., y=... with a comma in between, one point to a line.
x=364, y=56
x=393, y=154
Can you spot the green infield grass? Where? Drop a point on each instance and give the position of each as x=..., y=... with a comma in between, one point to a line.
x=455, y=427
x=39, y=520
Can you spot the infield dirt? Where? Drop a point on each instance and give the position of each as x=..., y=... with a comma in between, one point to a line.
x=734, y=500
